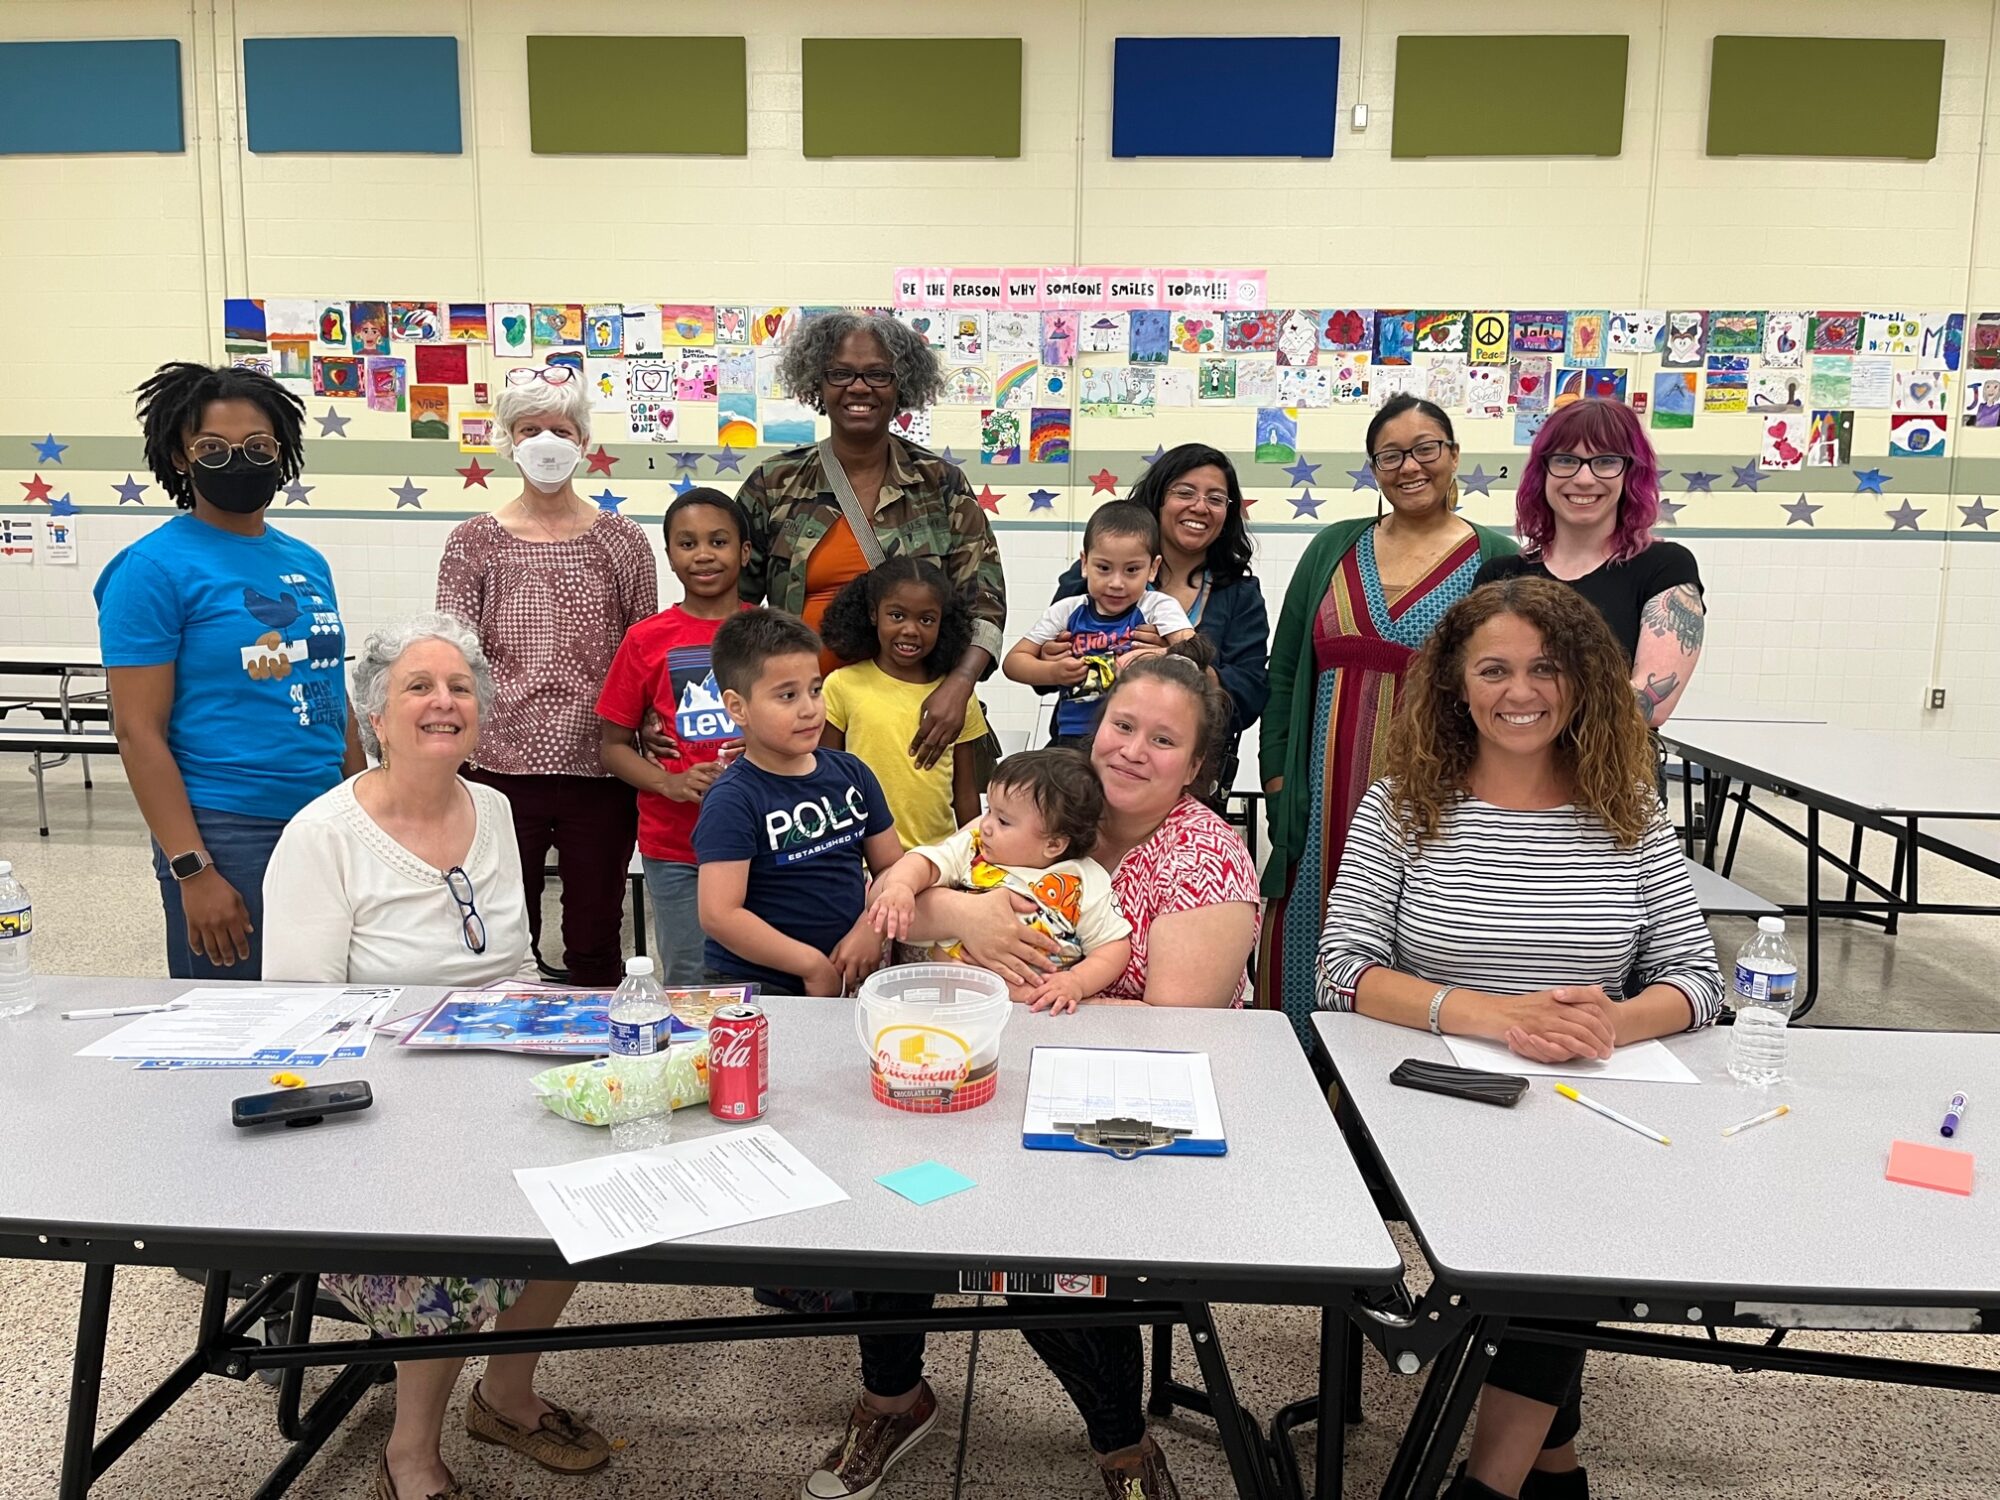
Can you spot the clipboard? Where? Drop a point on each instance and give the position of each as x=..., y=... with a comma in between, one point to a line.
x=1122, y=1102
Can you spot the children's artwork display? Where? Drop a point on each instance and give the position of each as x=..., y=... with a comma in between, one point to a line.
x=1029, y=378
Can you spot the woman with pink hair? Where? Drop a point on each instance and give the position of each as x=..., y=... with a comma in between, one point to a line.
x=1585, y=509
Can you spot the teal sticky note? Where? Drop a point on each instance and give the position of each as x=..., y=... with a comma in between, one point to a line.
x=926, y=1182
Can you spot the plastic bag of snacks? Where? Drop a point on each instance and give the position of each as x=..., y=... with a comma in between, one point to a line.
x=612, y=1090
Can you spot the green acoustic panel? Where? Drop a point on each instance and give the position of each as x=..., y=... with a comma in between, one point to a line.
x=1824, y=96
x=1576, y=85
x=912, y=96
x=694, y=101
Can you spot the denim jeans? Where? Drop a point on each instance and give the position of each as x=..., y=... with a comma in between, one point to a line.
x=676, y=921
x=240, y=846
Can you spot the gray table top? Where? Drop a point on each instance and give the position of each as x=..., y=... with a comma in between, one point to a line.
x=52, y=660
x=1851, y=767
x=1698, y=708
x=1547, y=1195
x=1722, y=896
x=91, y=1142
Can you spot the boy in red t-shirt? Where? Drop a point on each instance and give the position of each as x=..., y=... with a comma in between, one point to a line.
x=663, y=664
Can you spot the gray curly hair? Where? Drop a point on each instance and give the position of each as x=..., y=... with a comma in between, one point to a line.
x=810, y=350
x=379, y=654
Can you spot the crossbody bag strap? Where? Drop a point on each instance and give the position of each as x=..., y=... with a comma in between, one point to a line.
x=850, y=505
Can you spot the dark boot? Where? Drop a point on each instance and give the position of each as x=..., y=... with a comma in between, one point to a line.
x=1463, y=1487
x=1571, y=1484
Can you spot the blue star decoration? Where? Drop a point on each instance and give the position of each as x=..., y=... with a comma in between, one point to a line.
x=686, y=463
x=1748, y=476
x=48, y=450
x=1903, y=517
x=728, y=461
x=1302, y=472
x=608, y=501
x=295, y=493
x=1041, y=500
x=62, y=505
x=1670, y=510
x=682, y=486
x=1870, y=481
x=407, y=493
x=1155, y=456
x=1800, y=512
x=1478, y=482
x=1976, y=513
x=1364, y=478
x=333, y=424
x=1699, y=482
x=1306, y=504
x=953, y=459
x=130, y=491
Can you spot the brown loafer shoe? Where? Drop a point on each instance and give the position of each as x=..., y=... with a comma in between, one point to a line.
x=1146, y=1478
x=385, y=1487
x=564, y=1442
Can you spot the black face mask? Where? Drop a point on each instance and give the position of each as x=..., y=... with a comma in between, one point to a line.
x=239, y=486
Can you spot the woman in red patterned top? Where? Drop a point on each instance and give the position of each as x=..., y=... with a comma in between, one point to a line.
x=1182, y=876
x=552, y=583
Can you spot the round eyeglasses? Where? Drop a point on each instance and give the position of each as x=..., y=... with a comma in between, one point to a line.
x=213, y=452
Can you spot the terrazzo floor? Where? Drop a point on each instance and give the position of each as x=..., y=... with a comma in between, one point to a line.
x=748, y=1422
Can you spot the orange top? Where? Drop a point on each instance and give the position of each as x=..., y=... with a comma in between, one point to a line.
x=835, y=561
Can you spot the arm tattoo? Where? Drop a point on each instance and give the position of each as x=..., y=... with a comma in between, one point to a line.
x=1676, y=612
x=1657, y=690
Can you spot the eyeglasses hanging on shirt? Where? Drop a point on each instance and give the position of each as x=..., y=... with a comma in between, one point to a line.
x=472, y=927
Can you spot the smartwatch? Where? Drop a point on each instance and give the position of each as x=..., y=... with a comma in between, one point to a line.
x=187, y=866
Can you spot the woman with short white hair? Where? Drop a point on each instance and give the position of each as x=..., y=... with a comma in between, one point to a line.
x=551, y=583
x=408, y=874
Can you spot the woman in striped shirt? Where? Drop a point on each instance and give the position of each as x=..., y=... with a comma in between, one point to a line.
x=1515, y=879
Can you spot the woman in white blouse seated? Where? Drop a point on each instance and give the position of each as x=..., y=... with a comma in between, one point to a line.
x=408, y=874
x=1515, y=879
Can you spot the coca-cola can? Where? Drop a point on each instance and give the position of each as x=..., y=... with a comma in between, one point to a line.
x=739, y=1062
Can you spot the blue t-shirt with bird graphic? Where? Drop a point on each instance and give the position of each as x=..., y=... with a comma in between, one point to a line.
x=252, y=630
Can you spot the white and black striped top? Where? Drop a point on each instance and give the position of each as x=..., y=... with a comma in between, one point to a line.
x=1511, y=902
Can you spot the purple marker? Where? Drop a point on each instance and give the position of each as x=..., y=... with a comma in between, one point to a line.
x=1951, y=1115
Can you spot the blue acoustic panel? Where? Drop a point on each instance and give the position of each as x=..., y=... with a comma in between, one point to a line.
x=352, y=94
x=1224, y=95
x=69, y=98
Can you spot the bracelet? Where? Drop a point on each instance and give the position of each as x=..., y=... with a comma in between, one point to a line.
x=1437, y=1004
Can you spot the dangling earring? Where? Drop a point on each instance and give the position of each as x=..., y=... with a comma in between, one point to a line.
x=1451, y=495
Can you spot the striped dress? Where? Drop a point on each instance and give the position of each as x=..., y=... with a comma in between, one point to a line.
x=1363, y=638
x=1511, y=902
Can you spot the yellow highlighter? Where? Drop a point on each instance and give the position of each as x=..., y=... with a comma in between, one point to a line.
x=1611, y=1114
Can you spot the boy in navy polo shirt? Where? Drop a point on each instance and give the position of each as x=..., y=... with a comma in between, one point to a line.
x=786, y=832
x=1089, y=639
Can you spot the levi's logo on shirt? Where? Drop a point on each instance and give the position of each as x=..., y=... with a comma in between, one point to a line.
x=698, y=711
x=815, y=825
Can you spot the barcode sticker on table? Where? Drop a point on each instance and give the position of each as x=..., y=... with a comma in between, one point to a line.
x=1033, y=1283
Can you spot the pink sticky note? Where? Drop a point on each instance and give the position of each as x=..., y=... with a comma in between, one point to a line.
x=1930, y=1167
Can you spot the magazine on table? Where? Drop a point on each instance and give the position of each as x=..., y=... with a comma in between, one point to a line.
x=556, y=1023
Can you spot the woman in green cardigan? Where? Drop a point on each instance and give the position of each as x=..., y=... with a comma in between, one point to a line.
x=1364, y=596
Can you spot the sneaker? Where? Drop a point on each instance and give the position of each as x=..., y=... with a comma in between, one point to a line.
x=1147, y=1480
x=874, y=1441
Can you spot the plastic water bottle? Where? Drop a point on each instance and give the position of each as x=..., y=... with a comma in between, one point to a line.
x=17, y=944
x=1767, y=978
x=639, y=1029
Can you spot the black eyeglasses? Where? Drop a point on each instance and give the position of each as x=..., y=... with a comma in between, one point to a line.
x=878, y=380
x=1426, y=452
x=213, y=453
x=472, y=926
x=1603, y=465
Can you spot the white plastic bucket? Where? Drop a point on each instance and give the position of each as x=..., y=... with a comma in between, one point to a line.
x=932, y=1035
